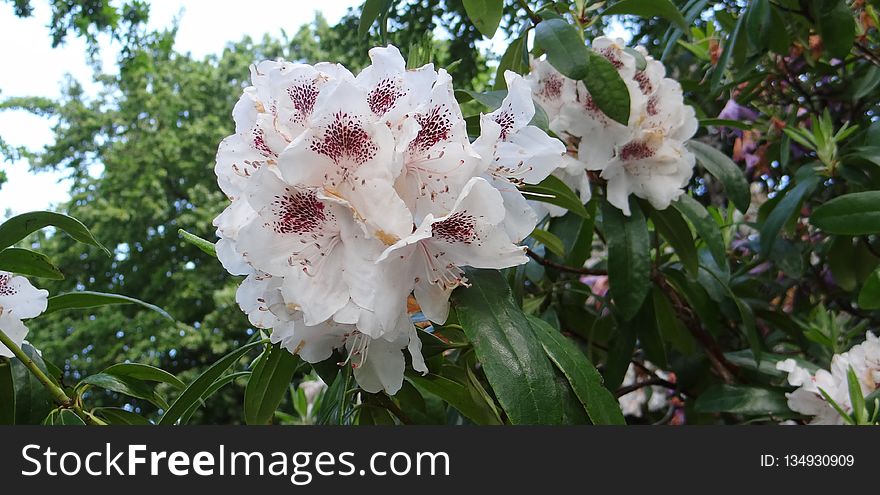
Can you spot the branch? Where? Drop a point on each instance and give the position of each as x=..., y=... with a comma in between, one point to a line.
x=564, y=268
x=645, y=383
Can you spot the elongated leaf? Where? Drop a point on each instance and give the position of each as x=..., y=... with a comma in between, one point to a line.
x=736, y=124
x=705, y=226
x=214, y=388
x=837, y=27
x=725, y=170
x=576, y=233
x=721, y=65
x=126, y=385
x=550, y=241
x=850, y=214
x=869, y=296
x=269, y=382
x=514, y=59
x=675, y=230
x=585, y=380
x=552, y=190
x=118, y=416
x=607, y=89
x=565, y=49
x=20, y=226
x=752, y=401
x=629, y=259
x=63, y=417
x=195, y=390
x=457, y=395
x=203, y=244
x=7, y=393
x=649, y=8
x=512, y=358
x=27, y=262
x=144, y=372
x=88, y=299
x=485, y=14
x=32, y=401
x=788, y=206
x=758, y=18
x=371, y=11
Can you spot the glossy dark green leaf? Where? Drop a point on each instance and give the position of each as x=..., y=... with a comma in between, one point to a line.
x=119, y=416
x=649, y=8
x=850, y=214
x=550, y=241
x=269, y=382
x=758, y=18
x=63, y=417
x=788, y=206
x=203, y=244
x=372, y=10
x=513, y=359
x=564, y=47
x=724, y=169
x=672, y=227
x=601, y=406
x=841, y=261
x=193, y=393
x=125, y=385
x=32, y=401
x=552, y=190
x=88, y=299
x=869, y=296
x=144, y=372
x=470, y=405
x=514, y=59
x=20, y=226
x=607, y=89
x=724, y=58
x=576, y=233
x=837, y=28
x=7, y=393
x=739, y=399
x=629, y=258
x=335, y=408
x=214, y=388
x=705, y=226
x=485, y=14
x=27, y=262
x=669, y=324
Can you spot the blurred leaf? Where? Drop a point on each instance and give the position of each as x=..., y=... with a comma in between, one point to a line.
x=372, y=10
x=515, y=59
x=203, y=244
x=7, y=393
x=850, y=214
x=836, y=26
x=27, y=262
x=63, y=417
x=677, y=233
x=576, y=233
x=19, y=226
x=705, y=226
x=784, y=210
x=647, y=9
x=738, y=399
x=117, y=416
x=869, y=296
x=585, y=380
x=485, y=14
x=721, y=65
x=520, y=374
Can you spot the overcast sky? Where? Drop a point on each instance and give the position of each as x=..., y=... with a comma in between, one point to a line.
x=32, y=68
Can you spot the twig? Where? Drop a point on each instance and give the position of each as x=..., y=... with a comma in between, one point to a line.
x=564, y=268
x=645, y=383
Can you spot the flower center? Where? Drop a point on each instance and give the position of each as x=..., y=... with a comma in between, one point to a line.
x=435, y=127
x=459, y=227
x=644, y=82
x=346, y=143
x=505, y=120
x=6, y=289
x=298, y=212
x=611, y=54
x=383, y=97
x=551, y=87
x=303, y=97
x=636, y=150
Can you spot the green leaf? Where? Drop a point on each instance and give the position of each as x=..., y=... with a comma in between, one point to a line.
x=856, y=397
x=371, y=11
x=118, y=416
x=758, y=18
x=670, y=224
x=550, y=241
x=585, y=380
x=629, y=259
x=836, y=27
x=269, y=381
x=457, y=395
x=514, y=59
x=88, y=299
x=576, y=233
x=335, y=409
x=649, y=8
x=841, y=261
x=869, y=296
x=607, y=89
x=514, y=362
x=784, y=210
x=27, y=262
x=7, y=393
x=63, y=417
x=203, y=244
x=705, y=226
x=564, y=47
x=32, y=400
x=20, y=226
x=850, y=214
x=724, y=169
x=144, y=372
x=125, y=385
x=736, y=124
x=670, y=325
x=193, y=393
x=215, y=387
x=721, y=65
x=485, y=14
x=738, y=399
x=552, y=190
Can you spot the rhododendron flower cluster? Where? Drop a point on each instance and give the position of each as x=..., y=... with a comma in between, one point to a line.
x=864, y=359
x=19, y=300
x=349, y=193
x=647, y=157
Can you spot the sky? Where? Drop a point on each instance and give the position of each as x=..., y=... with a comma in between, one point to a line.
x=36, y=69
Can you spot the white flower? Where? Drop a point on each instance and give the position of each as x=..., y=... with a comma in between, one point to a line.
x=646, y=157
x=517, y=153
x=808, y=400
x=18, y=300
x=349, y=193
